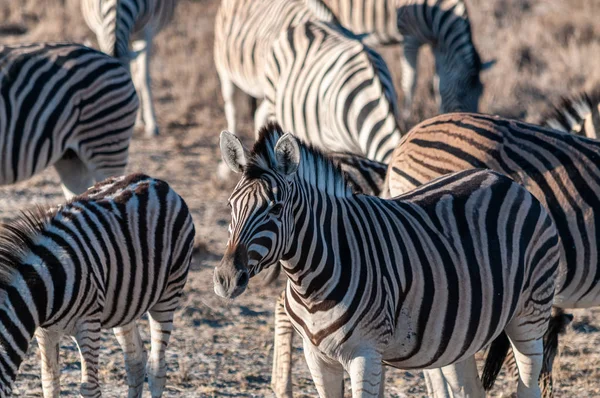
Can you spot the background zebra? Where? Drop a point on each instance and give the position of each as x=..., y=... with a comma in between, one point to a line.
x=376, y=308
x=116, y=23
x=100, y=261
x=332, y=91
x=64, y=105
x=443, y=24
x=578, y=115
x=560, y=169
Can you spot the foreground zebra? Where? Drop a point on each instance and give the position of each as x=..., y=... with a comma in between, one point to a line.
x=116, y=23
x=364, y=273
x=578, y=115
x=562, y=170
x=332, y=91
x=102, y=260
x=67, y=106
x=442, y=24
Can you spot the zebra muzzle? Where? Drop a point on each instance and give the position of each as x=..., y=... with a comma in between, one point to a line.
x=231, y=275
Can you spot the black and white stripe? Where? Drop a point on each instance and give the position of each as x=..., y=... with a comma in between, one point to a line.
x=577, y=115
x=117, y=23
x=67, y=106
x=102, y=260
x=442, y=24
x=364, y=272
x=331, y=90
x=561, y=169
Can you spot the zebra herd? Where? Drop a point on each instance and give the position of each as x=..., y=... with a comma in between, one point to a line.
x=412, y=250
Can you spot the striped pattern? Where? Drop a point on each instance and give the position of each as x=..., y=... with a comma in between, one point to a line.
x=443, y=24
x=578, y=115
x=561, y=169
x=64, y=105
x=116, y=23
x=367, y=295
x=332, y=91
x=101, y=261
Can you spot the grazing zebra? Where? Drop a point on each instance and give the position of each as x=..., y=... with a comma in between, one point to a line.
x=116, y=23
x=64, y=105
x=561, y=169
x=102, y=260
x=364, y=272
x=332, y=91
x=443, y=24
x=578, y=115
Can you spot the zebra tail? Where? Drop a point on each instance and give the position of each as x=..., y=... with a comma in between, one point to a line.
x=495, y=358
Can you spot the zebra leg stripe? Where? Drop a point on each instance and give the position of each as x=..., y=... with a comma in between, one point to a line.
x=161, y=325
x=49, y=345
x=131, y=343
x=281, y=376
x=88, y=341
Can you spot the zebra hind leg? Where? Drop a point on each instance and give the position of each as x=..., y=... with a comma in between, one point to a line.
x=161, y=326
x=130, y=341
x=528, y=350
x=281, y=376
x=143, y=82
x=88, y=341
x=49, y=345
x=74, y=174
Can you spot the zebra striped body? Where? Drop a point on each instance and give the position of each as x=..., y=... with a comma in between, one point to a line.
x=364, y=273
x=332, y=91
x=64, y=105
x=561, y=169
x=102, y=260
x=116, y=23
x=577, y=115
x=443, y=24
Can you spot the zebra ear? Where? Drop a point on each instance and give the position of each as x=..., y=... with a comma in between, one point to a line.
x=487, y=65
x=232, y=151
x=287, y=153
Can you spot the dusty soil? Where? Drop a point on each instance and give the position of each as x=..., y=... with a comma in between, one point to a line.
x=544, y=50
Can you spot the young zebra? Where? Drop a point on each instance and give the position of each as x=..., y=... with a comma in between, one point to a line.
x=561, y=169
x=578, y=115
x=442, y=24
x=364, y=273
x=116, y=23
x=64, y=105
x=332, y=91
x=102, y=260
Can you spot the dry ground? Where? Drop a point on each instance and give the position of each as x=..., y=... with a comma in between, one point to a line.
x=545, y=49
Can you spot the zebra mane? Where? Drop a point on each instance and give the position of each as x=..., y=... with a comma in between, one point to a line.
x=571, y=111
x=315, y=167
x=17, y=236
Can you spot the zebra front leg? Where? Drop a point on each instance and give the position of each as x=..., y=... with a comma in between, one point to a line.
x=328, y=375
x=366, y=374
x=409, y=75
x=88, y=342
x=130, y=341
x=49, y=345
x=74, y=174
x=161, y=325
x=281, y=376
x=143, y=82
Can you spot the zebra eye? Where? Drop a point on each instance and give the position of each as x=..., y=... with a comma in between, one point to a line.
x=276, y=210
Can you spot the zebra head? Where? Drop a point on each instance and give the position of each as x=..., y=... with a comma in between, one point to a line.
x=262, y=220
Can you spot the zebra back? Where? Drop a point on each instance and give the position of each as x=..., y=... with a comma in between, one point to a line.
x=59, y=99
x=333, y=91
x=577, y=115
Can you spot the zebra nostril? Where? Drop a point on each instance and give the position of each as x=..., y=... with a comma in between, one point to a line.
x=242, y=279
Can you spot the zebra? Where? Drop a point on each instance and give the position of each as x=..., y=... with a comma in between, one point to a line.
x=117, y=22
x=291, y=205
x=578, y=115
x=67, y=106
x=442, y=24
x=331, y=90
x=101, y=260
x=560, y=169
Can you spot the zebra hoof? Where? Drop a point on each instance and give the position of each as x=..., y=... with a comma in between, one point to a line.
x=151, y=131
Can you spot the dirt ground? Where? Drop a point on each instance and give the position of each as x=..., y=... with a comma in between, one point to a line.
x=545, y=49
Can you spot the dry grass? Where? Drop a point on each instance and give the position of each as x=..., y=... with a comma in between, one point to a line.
x=545, y=49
